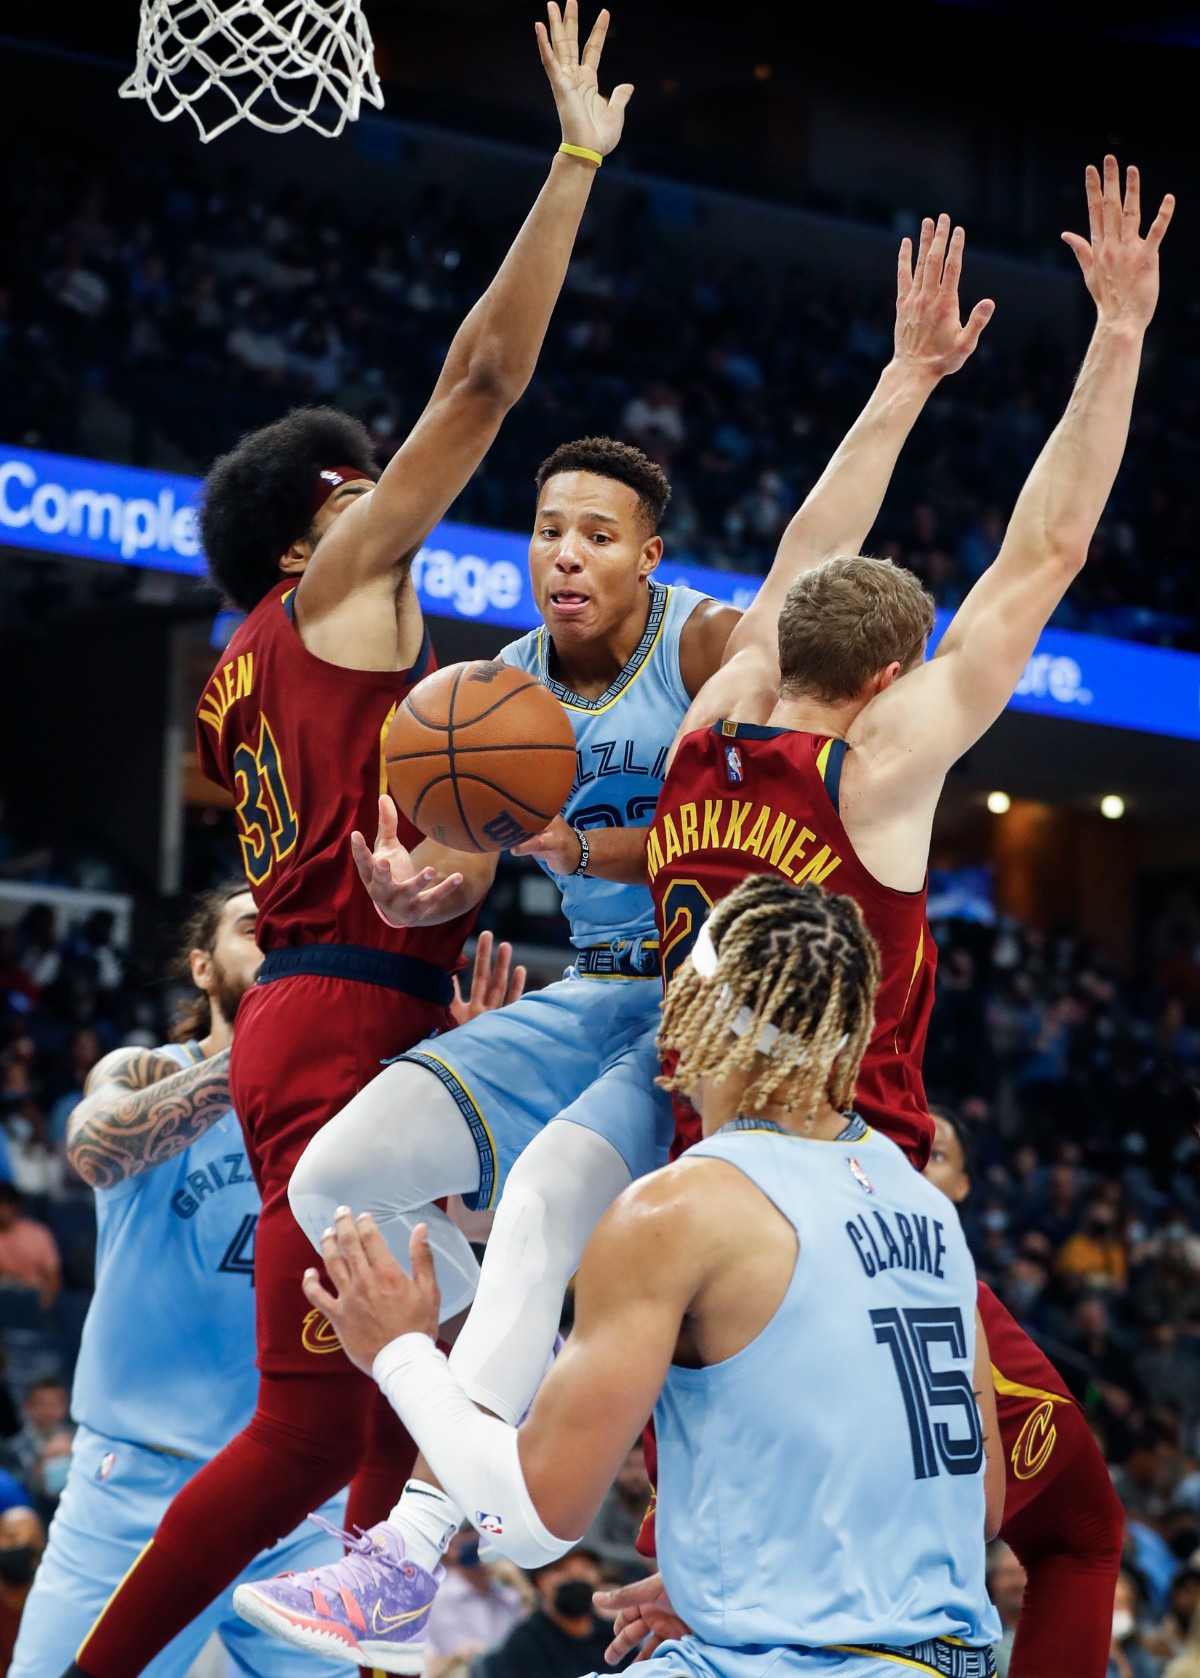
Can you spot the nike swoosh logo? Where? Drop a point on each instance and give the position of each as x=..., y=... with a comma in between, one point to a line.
x=391, y=1622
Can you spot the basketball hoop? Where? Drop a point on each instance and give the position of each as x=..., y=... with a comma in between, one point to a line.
x=279, y=64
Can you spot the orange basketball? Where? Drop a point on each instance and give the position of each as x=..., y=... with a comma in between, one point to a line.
x=480, y=756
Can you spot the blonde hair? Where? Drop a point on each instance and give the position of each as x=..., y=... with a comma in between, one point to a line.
x=795, y=958
x=846, y=620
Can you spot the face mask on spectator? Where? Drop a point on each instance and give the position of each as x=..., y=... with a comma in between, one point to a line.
x=1184, y=1540
x=1176, y=1232
x=995, y=1218
x=54, y=1475
x=1123, y=1625
x=573, y=1598
x=1022, y=1295
x=17, y=1564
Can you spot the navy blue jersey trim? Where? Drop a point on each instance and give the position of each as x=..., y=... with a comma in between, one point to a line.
x=420, y=979
x=660, y=595
x=833, y=772
x=748, y=731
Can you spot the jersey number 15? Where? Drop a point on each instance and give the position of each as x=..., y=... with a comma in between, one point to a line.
x=910, y=1336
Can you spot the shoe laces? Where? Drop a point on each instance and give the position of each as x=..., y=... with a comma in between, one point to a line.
x=357, y=1568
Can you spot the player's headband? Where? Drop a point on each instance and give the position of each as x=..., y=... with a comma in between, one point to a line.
x=329, y=479
x=704, y=960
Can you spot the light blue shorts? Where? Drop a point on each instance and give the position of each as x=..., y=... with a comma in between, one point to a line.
x=582, y=1049
x=115, y=1496
x=690, y=1658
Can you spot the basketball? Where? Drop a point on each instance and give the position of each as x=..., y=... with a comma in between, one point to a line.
x=480, y=756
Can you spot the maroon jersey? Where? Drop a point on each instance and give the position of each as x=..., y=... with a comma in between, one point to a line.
x=300, y=745
x=1041, y=1425
x=741, y=799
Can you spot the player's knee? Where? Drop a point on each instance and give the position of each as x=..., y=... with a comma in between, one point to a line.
x=316, y=1187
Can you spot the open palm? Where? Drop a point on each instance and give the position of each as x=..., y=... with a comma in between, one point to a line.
x=587, y=118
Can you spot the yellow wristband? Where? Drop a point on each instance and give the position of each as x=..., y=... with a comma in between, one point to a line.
x=582, y=151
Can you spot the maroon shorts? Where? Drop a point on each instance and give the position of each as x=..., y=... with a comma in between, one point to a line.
x=303, y=1047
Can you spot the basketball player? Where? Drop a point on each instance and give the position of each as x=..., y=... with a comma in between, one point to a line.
x=298, y=533
x=166, y=1374
x=551, y=1106
x=819, y=750
x=1062, y=1518
x=820, y=792
x=797, y=1305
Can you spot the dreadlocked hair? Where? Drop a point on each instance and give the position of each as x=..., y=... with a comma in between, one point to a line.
x=797, y=958
x=193, y=1017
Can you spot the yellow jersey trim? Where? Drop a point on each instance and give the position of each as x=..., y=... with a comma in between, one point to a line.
x=1014, y=1389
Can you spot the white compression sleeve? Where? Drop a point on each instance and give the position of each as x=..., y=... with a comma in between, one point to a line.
x=555, y=1195
x=399, y=1145
x=476, y=1457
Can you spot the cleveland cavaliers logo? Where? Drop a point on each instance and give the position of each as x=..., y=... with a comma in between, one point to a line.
x=317, y=1334
x=1035, y=1443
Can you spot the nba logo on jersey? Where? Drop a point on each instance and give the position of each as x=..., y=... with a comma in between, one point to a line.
x=860, y=1177
x=733, y=764
x=107, y=1464
x=489, y=1523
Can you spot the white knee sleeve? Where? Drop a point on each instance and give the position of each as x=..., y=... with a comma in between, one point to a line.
x=476, y=1458
x=400, y=1144
x=555, y=1195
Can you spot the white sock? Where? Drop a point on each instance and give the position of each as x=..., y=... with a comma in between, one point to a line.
x=428, y=1520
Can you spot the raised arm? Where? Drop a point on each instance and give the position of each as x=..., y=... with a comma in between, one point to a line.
x=495, y=350
x=930, y=342
x=923, y=723
x=139, y=1109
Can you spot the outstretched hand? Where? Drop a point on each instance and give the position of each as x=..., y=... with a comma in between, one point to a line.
x=375, y=1301
x=1120, y=267
x=494, y=981
x=644, y=1612
x=929, y=331
x=403, y=894
x=588, y=119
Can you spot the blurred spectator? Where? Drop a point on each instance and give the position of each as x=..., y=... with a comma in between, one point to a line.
x=619, y=1518
x=47, y=1421
x=28, y=1254
x=1169, y=1639
x=49, y=1478
x=472, y=1612
x=22, y=1540
x=1130, y=1658
x=563, y=1636
x=1095, y=1254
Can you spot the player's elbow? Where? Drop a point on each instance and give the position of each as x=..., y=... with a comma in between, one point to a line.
x=494, y=379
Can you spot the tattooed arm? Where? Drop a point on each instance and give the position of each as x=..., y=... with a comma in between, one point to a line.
x=139, y=1109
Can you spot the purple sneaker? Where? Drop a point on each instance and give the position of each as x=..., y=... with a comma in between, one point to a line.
x=369, y=1609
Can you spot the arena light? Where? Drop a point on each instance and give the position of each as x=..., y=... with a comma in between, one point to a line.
x=999, y=803
x=1112, y=805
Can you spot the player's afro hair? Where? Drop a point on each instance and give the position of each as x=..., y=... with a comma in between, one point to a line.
x=609, y=459
x=258, y=498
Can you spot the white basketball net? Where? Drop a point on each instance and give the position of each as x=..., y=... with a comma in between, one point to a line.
x=276, y=63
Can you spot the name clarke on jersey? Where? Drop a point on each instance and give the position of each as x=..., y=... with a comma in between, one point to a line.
x=724, y=824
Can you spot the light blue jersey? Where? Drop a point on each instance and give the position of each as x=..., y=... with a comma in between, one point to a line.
x=621, y=744
x=584, y=1049
x=166, y=1357
x=164, y=1380
x=823, y=1488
